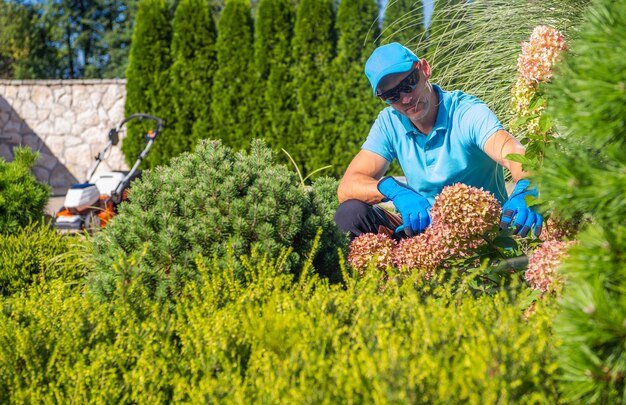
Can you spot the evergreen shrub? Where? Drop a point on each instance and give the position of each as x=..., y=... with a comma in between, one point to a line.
x=274, y=25
x=147, y=79
x=275, y=341
x=191, y=74
x=22, y=198
x=235, y=98
x=212, y=202
x=585, y=172
x=38, y=253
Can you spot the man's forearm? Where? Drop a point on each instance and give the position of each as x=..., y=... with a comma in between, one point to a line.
x=359, y=187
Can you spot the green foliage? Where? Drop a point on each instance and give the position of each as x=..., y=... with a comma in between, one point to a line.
x=403, y=22
x=22, y=198
x=473, y=46
x=313, y=50
x=65, y=39
x=115, y=41
x=38, y=254
x=234, y=96
x=584, y=172
x=191, y=76
x=277, y=340
x=273, y=63
x=25, y=50
x=353, y=105
x=147, y=79
x=211, y=202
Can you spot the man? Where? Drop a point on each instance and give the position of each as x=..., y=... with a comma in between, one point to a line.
x=439, y=138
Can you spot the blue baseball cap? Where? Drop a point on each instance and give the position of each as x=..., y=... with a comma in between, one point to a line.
x=388, y=59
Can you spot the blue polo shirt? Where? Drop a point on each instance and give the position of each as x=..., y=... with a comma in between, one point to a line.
x=451, y=153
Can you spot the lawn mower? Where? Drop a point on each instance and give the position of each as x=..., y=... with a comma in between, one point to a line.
x=91, y=205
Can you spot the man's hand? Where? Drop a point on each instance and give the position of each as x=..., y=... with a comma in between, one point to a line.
x=413, y=207
x=516, y=207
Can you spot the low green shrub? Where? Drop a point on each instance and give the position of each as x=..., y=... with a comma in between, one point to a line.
x=276, y=339
x=38, y=253
x=22, y=198
x=208, y=202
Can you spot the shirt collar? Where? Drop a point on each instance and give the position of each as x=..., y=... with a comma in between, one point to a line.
x=441, y=122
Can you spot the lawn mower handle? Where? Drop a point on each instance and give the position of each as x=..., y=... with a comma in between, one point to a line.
x=151, y=137
x=141, y=117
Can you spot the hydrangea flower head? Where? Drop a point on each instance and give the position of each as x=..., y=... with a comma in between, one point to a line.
x=364, y=248
x=543, y=263
x=423, y=253
x=539, y=55
x=559, y=229
x=466, y=212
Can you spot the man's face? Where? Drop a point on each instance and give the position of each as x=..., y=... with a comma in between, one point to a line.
x=408, y=92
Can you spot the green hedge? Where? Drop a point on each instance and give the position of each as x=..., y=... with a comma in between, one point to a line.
x=276, y=339
x=37, y=254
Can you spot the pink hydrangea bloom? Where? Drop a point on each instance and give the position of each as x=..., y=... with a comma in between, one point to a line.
x=422, y=253
x=555, y=228
x=466, y=212
x=543, y=263
x=461, y=217
x=364, y=248
x=539, y=55
x=522, y=94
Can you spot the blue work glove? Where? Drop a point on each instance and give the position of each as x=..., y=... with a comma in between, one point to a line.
x=414, y=208
x=516, y=207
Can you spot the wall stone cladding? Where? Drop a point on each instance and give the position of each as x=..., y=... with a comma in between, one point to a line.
x=67, y=121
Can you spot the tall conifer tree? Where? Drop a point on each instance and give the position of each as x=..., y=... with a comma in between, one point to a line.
x=313, y=49
x=403, y=22
x=353, y=104
x=234, y=97
x=194, y=64
x=147, y=75
x=273, y=61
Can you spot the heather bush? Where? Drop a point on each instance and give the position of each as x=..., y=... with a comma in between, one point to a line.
x=209, y=202
x=22, y=198
x=275, y=339
x=37, y=253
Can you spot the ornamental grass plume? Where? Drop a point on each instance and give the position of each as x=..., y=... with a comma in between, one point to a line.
x=543, y=263
x=369, y=246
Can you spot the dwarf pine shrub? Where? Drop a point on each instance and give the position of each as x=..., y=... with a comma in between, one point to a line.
x=22, y=198
x=585, y=172
x=211, y=202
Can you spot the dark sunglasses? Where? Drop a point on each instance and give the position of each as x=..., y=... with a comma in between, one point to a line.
x=407, y=85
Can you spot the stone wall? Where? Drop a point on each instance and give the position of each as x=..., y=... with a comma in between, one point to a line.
x=67, y=121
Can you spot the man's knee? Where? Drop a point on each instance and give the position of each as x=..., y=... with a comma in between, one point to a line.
x=354, y=216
